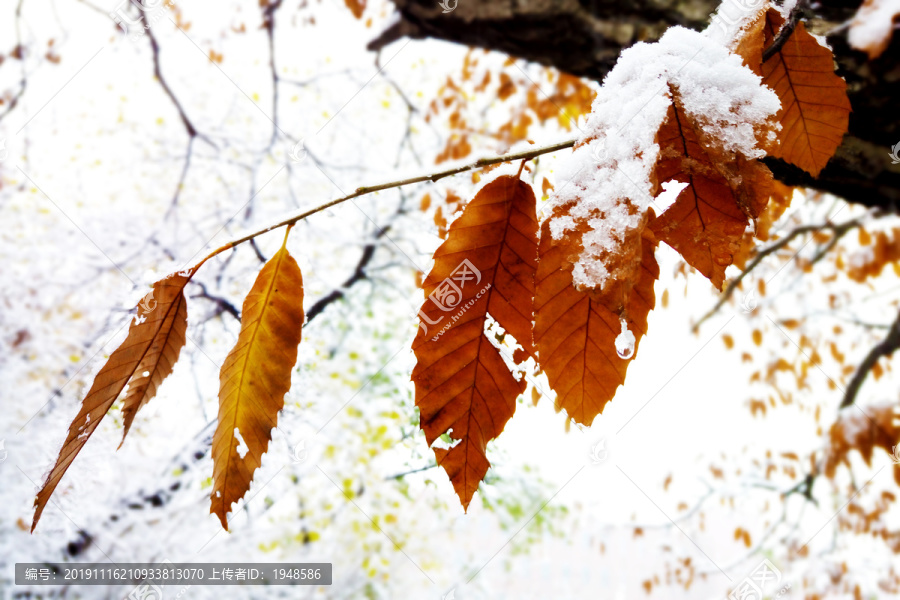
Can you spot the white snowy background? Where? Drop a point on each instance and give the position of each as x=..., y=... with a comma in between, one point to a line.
x=92, y=158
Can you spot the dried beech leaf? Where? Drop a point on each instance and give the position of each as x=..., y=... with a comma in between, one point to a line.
x=706, y=223
x=863, y=432
x=157, y=363
x=575, y=333
x=749, y=46
x=815, y=110
x=155, y=338
x=463, y=387
x=255, y=377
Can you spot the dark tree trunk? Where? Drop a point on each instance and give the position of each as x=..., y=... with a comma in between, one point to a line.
x=585, y=37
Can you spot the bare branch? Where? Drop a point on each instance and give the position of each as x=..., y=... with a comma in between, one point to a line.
x=359, y=273
x=222, y=305
x=411, y=471
x=23, y=82
x=157, y=72
x=269, y=11
x=362, y=191
x=888, y=345
x=786, y=31
x=839, y=231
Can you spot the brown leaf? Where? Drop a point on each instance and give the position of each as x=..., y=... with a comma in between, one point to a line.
x=749, y=46
x=575, y=332
x=871, y=261
x=815, y=110
x=157, y=363
x=706, y=223
x=463, y=387
x=255, y=377
x=152, y=345
x=877, y=427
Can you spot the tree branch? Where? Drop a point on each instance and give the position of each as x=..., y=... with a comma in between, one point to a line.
x=362, y=191
x=585, y=38
x=786, y=30
x=23, y=82
x=157, y=72
x=410, y=472
x=839, y=231
x=359, y=273
x=222, y=305
x=269, y=11
x=888, y=345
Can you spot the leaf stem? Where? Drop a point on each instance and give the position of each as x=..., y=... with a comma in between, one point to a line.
x=886, y=347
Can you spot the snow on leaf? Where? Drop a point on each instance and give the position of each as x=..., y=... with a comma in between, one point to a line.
x=610, y=179
x=737, y=25
x=707, y=221
x=575, y=333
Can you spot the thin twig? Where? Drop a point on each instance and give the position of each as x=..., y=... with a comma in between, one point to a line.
x=222, y=305
x=188, y=124
x=786, y=31
x=838, y=230
x=359, y=273
x=362, y=191
x=23, y=83
x=804, y=488
x=181, y=178
x=410, y=472
x=157, y=72
x=269, y=25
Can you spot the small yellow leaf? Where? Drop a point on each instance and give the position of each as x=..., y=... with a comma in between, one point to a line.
x=757, y=337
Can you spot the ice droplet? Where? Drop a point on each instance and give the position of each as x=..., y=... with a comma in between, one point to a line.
x=625, y=342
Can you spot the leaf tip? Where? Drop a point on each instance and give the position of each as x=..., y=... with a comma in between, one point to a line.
x=38, y=510
x=219, y=510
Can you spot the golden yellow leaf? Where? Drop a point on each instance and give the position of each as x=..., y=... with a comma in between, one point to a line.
x=255, y=377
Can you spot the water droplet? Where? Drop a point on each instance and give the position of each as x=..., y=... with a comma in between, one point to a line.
x=625, y=342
